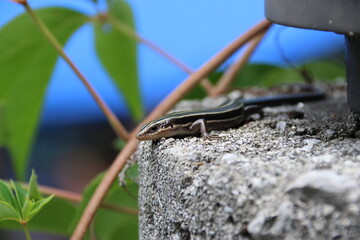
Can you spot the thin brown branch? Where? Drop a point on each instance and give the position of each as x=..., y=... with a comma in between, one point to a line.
x=164, y=106
x=127, y=210
x=118, y=128
x=206, y=69
x=60, y=193
x=230, y=74
x=121, y=27
x=76, y=197
x=20, y=1
x=103, y=187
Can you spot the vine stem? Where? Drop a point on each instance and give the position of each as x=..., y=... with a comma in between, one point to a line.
x=205, y=83
x=103, y=187
x=206, y=69
x=76, y=197
x=163, y=107
x=230, y=74
x=118, y=128
x=26, y=231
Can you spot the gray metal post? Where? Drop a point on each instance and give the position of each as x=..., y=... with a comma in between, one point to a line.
x=352, y=44
x=327, y=15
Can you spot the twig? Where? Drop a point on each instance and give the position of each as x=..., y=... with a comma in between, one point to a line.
x=76, y=197
x=114, y=122
x=302, y=71
x=121, y=27
x=60, y=193
x=164, y=106
x=103, y=187
x=130, y=211
x=206, y=69
x=230, y=74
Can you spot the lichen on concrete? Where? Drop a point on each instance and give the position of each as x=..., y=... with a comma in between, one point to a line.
x=273, y=178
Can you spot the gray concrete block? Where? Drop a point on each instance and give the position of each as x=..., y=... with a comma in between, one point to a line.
x=273, y=178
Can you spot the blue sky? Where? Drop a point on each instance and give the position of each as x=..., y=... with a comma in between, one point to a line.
x=192, y=31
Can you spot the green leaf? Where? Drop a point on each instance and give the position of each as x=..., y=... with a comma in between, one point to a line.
x=268, y=75
x=54, y=218
x=281, y=76
x=37, y=207
x=6, y=195
x=2, y=124
x=326, y=70
x=29, y=206
x=26, y=64
x=132, y=173
x=198, y=91
x=108, y=223
x=119, y=144
x=118, y=54
x=17, y=205
x=253, y=74
x=26, y=209
x=33, y=188
x=87, y=194
x=20, y=197
x=7, y=212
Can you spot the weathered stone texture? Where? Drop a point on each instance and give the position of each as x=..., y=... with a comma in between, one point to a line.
x=274, y=178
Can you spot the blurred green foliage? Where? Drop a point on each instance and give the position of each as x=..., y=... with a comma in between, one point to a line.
x=109, y=224
x=26, y=64
x=27, y=61
x=118, y=54
x=266, y=75
x=269, y=75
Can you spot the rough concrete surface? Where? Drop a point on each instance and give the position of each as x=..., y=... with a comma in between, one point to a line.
x=274, y=178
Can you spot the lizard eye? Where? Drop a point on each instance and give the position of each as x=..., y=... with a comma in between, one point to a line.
x=154, y=128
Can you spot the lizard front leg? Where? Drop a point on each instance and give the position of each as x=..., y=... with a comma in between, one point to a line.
x=203, y=131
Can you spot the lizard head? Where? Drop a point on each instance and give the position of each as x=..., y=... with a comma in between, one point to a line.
x=155, y=129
